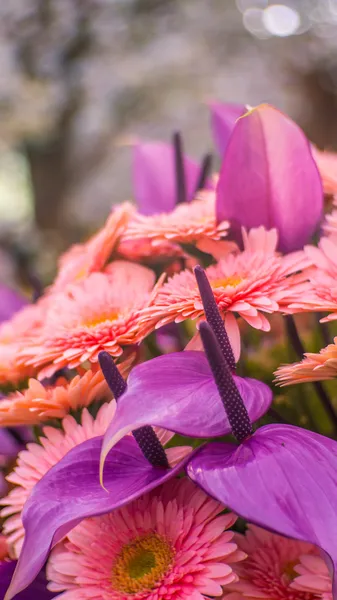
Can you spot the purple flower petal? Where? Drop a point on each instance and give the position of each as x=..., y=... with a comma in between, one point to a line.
x=71, y=491
x=178, y=392
x=283, y=478
x=154, y=177
x=10, y=302
x=36, y=591
x=278, y=183
x=223, y=119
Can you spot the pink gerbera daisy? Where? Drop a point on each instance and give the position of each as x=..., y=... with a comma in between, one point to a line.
x=268, y=571
x=37, y=459
x=319, y=292
x=99, y=313
x=314, y=577
x=250, y=283
x=82, y=259
x=170, y=544
x=188, y=223
x=314, y=367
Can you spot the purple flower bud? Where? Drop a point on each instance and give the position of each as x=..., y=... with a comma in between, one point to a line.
x=269, y=177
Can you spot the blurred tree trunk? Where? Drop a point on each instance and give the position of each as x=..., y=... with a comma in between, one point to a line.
x=48, y=170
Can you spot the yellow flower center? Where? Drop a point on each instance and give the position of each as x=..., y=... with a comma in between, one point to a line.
x=141, y=564
x=233, y=281
x=102, y=318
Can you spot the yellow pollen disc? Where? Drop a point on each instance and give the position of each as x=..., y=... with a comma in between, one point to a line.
x=113, y=316
x=141, y=564
x=233, y=281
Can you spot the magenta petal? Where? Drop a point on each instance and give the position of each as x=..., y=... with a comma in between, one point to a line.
x=10, y=302
x=71, y=491
x=278, y=183
x=223, y=119
x=283, y=478
x=154, y=177
x=178, y=392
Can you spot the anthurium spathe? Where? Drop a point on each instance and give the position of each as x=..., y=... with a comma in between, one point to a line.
x=269, y=177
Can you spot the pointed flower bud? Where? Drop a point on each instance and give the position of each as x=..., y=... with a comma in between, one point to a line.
x=213, y=316
x=269, y=177
x=145, y=437
x=234, y=406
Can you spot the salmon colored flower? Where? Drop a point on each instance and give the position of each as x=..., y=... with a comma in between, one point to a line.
x=188, y=223
x=172, y=543
x=327, y=166
x=82, y=259
x=268, y=571
x=314, y=367
x=14, y=334
x=39, y=403
x=319, y=291
x=100, y=312
x=314, y=577
x=250, y=283
x=148, y=249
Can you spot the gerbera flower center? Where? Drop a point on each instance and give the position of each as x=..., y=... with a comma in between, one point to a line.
x=101, y=318
x=275, y=582
x=141, y=564
x=232, y=281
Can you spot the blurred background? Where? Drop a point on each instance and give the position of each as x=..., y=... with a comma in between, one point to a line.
x=80, y=78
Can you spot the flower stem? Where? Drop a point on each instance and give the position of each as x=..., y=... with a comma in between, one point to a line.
x=324, y=329
x=300, y=351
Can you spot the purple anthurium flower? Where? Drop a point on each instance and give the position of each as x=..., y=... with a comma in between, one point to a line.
x=10, y=302
x=185, y=378
x=163, y=176
x=223, y=119
x=36, y=591
x=269, y=177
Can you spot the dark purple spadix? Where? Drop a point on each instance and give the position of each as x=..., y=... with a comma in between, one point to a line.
x=179, y=168
x=112, y=375
x=213, y=316
x=145, y=437
x=235, y=409
x=205, y=171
